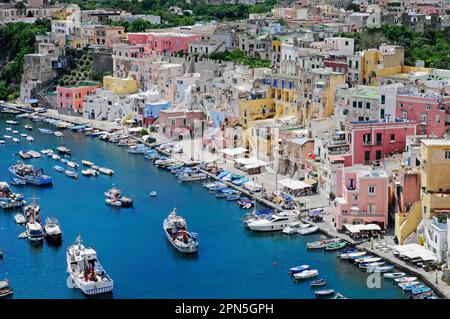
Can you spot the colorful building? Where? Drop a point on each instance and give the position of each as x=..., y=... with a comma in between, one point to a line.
x=151, y=111
x=387, y=60
x=163, y=41
x=371, y=141
x=180, y=124
x=70, y=99
x=362, y=197
x=120, y=85
x=256, y=106
x=429, y=108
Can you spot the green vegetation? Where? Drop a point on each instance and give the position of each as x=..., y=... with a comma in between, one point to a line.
x=138, y=25
x=81, y=71
x=432, y=46
x=200, y=10
x=16, y=40
x=239, y=57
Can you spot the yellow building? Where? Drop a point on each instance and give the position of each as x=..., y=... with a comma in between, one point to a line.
x=435, y=180
x=385, y=61
x=120, y=85
x=435, y=187
x=257, y=106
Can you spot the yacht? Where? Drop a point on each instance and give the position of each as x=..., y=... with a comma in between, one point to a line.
x=176, y=231
x=274, y=222
x=85, y=270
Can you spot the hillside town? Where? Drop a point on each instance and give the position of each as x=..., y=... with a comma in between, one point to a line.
x=294, y=99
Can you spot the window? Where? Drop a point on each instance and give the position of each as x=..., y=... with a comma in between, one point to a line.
x=354, y=104
x=401, y=105
x=405, y=114
x=423, y=117
x=371, y=190
x=447, y=154
x=438, y=118
x=382, y=113
x=383, y=99
x=392, y=137
x=360, y=105
x=428, y=107
x=367, y=105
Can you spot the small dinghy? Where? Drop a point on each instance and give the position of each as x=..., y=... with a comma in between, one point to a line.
x=20, y=219
x=308, y=230
x=58, y=168
x=72, y=164
x=153, y=194
x=405, y=279
x=306, y=274
x=30, y=138
x=318, y=282
x=324, y=292
x=71, y=174
x=298, y=269
x=394, y=275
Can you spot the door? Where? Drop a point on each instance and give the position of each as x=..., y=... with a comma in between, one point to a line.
x=378, y=155
x=366, y=156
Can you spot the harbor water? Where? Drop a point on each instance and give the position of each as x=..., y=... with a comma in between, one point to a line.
x=232, y=262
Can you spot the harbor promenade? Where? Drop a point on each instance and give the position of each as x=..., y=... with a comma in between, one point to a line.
x=431, y=278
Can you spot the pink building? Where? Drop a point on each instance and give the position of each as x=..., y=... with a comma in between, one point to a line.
x=178, y=124
x=371, y=141
x=70, y=99
x=163, y=42
x=429, y=109
x=361, y=197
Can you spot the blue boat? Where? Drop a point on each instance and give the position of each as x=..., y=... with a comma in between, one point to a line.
x=418, y=291
x=298, y=269
x=29, y=175
x=77, y=127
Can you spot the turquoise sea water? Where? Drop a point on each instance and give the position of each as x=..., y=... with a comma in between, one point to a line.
x=232, y=262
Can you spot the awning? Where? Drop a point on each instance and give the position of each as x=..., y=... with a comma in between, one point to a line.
x=233, y=151
x=310, y=181
x=294, y=185
x=354, y=229
x=413, y=251
x=249, y=161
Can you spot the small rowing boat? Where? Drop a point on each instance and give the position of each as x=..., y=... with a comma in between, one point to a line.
x=393, y=275
x=309, y=273
x=318, y=282
x=324, y=292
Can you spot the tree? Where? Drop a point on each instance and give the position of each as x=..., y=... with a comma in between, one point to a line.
x=21, y=7
x=352, y=7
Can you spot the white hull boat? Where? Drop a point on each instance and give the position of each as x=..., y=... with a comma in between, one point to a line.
x=176, y=231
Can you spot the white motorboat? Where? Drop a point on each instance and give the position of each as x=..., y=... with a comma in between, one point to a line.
x=293, y=227
x=85, y=270
x=52, y=229
x=34, y=231
x=177, y=233
x=309, y=273
x=89, y=172
x=394, y=275
x=30, y=138
x=58, y=134
x=72, y=164
x=192, y=176
x=274, y=222
x=353, y=255
x=20, y=219
x=405, y=279
x=308, y=230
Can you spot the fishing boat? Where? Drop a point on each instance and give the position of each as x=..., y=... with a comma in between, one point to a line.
x=309, y=273
x=8, y=199
x=5, y=289
x=105, y=171
x=298, y=269
x=393, y=275
x=114, y=197
x=405, y=279
x=85, y=270
x=189, y=176
x=177, y=233
x=318, y=282
x=34, y=231
x=71, y=174
x=72, y=164
x=30, y=138
x=275, y=222
x=353, y=255
x=371, y=265
x=58, y=168
x=87, y=163
x=20, y=219
x=380, y=268
x=52, y=230
x=336, y=246
x=11, y=122
x=63, y=150
x=28, y=127
x=24, y=155
x=324, y=292
x=89, y=172
x=321, y=243
x=308, y=230
x=31, y=176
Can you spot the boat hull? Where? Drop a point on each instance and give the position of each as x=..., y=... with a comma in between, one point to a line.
x=183, y=249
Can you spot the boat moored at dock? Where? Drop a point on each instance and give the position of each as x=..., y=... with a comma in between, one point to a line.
x=52, y=230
